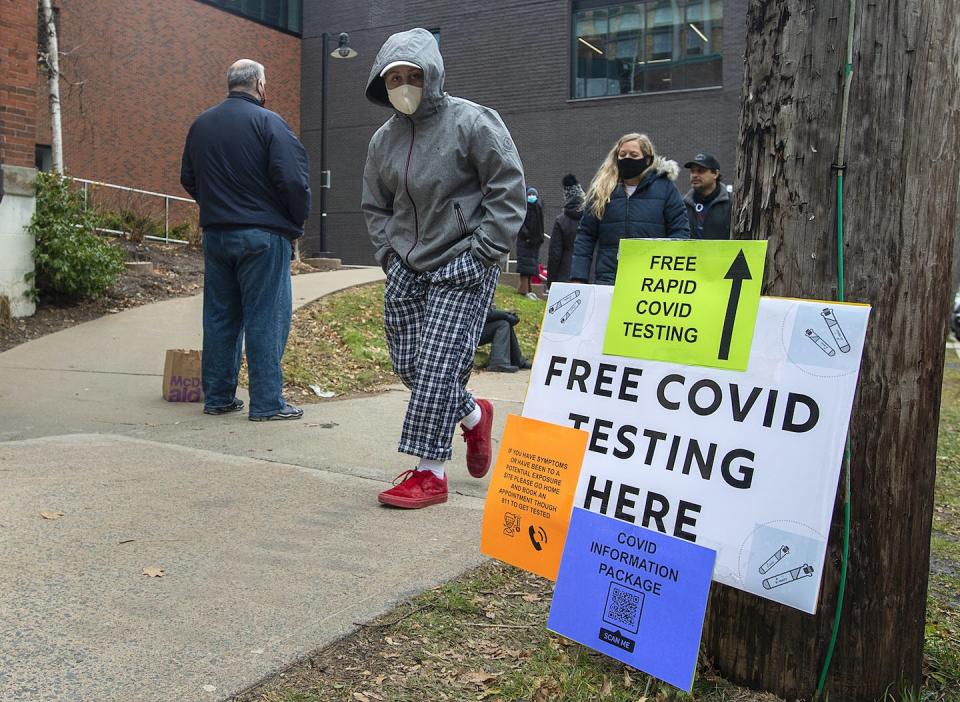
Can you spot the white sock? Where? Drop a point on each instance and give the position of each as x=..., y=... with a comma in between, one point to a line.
x=435, y=467
x=472, y=419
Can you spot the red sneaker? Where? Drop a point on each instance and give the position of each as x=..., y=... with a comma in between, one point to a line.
x=414, y=489
x=479, y=453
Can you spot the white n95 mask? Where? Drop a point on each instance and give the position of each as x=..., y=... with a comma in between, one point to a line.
x=406, y=98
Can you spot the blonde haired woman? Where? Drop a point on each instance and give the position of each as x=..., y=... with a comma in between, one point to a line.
x=632, y=196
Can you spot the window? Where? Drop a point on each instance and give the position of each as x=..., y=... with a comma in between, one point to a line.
x=280, y=14
x=627, y=48
x=43, y=157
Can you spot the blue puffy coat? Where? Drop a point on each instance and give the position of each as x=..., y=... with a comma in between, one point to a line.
x=655, y=210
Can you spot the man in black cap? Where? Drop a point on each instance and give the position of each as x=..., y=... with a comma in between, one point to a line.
x=708, y=202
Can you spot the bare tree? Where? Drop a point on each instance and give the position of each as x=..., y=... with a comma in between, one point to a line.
x=900, y=203
x=52, y=61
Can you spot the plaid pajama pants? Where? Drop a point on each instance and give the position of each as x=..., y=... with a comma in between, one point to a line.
x=433, y=322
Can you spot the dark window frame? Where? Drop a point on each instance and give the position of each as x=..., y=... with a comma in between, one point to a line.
x=222, y=6
x=43, y=157
x=688, y=58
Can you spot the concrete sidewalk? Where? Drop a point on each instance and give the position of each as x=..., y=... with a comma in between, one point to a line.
x=270, y=535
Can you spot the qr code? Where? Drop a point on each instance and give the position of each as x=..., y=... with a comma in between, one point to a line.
x=624, y=607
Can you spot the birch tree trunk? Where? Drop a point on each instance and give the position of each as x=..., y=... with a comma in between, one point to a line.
x=900, y=212
x=53, y=68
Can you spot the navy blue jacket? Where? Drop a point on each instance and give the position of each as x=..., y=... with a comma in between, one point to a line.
x=655, y=210
x=246, y=168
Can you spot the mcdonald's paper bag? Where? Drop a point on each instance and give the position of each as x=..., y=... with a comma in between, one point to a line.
x=181, y=376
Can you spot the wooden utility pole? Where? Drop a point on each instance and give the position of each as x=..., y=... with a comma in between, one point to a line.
x=52, y=59
x=900, y=205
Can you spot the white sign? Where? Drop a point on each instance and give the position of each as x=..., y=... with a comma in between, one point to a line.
x=745, y=463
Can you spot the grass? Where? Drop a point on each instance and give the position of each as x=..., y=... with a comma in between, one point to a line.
x=480, y=637
x=942, y=641
x=483, y=635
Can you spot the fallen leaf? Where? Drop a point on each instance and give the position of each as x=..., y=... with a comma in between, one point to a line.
x=606, y=688
x=481, y=679
x=627, y=680
x=51, y=515
x=360, y=697
x=154, y=572
x=209, y=688
x=547, y=690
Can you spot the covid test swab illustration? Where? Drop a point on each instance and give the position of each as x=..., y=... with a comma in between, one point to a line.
x=774, y=559
x=573, y=308
x=823, y=345
x=565, y=300
x=789, y=576
x=834, y=326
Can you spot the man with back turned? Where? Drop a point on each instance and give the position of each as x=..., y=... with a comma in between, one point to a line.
x=249, y=174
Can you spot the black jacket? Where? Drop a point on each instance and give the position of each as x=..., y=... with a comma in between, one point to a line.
x=245, y=168
x=713, y=222
x=529, y=240
x=561, y=244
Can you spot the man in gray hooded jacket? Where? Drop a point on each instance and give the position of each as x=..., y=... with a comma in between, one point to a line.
x=443, y=197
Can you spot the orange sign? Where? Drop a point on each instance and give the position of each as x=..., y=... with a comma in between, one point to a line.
x=531, y=493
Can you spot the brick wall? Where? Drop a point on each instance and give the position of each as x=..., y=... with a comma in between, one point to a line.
x=18, y=81
x=136, y=74
x=515, y=59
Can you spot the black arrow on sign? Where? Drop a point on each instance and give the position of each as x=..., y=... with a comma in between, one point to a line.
x=739, y=272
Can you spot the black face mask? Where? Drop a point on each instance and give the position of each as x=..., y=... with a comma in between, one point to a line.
x=632, y=167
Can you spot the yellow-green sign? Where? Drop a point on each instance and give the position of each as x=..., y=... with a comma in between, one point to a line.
x=689, y=302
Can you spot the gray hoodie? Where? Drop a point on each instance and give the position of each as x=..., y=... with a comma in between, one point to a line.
x=443, y=180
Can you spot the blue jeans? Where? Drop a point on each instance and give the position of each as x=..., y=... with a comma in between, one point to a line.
x=246, y=289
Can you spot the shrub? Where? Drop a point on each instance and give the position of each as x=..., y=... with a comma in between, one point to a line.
x=185, y=231
x=135, y=226
x=71, y=260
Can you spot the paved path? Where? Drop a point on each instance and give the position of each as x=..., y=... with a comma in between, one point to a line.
x=269, y=533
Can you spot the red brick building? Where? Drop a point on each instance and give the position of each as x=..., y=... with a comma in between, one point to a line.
x=18, y=82
x=18, y=91
x=136, y=74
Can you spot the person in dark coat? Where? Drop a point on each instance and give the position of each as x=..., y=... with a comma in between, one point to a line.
x=529, y=241
x=505, y=353
x=250, y=175
x=560, y=254
x=708, y=202
x=632, y=196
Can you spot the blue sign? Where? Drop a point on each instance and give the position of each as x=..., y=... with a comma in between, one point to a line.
x=633, y=594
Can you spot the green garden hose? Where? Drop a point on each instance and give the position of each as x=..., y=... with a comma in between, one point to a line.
x=840, y=166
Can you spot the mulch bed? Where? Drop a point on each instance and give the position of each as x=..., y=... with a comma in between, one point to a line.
x=177, y=272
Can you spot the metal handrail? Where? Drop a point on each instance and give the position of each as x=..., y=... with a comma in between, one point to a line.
x=166, y=207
